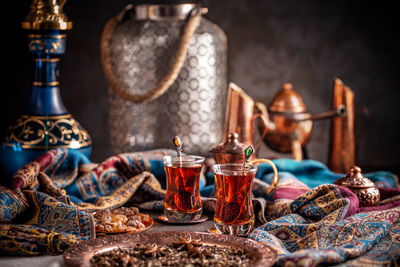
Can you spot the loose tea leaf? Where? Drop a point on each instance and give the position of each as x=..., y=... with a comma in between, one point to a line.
x=186, y=252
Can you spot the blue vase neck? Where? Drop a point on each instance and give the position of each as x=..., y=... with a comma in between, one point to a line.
x=46, y=48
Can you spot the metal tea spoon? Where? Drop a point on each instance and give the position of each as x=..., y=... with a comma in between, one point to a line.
x=178, y=147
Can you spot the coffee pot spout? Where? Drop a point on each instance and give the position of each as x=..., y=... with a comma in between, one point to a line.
x=263, y=115
x=340, y=111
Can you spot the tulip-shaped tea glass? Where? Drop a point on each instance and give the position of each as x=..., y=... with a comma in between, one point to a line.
x=182, y=200
x=234, y=214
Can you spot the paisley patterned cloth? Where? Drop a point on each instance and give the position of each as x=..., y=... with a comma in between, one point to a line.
x=46, y=208
x=308, y=220
x=325, y=225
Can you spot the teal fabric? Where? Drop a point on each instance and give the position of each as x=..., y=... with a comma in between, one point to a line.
x=314, y=173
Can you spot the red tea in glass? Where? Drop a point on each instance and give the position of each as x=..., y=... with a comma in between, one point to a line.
x=182, y=199
x=234, y=210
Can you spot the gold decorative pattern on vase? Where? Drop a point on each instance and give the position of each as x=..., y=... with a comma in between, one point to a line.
x=38, y=132
x=47, y=46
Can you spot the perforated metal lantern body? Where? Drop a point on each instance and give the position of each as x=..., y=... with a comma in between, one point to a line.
x=141, y=51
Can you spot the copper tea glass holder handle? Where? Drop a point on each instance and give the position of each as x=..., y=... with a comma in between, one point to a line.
x=275, y=179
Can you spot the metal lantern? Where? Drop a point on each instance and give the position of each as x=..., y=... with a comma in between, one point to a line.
x=167, y=71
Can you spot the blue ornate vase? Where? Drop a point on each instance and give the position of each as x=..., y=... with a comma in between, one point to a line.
x=45, y=123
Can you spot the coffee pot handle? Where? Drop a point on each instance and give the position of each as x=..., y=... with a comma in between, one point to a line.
x=262, y=114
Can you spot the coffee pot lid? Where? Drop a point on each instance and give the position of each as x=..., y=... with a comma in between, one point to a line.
x=287, y=100
x=354, y=179
x=230, y=146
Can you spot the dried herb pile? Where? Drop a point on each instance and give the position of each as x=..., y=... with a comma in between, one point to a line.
x=186, y=252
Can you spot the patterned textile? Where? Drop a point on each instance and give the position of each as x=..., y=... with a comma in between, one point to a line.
x=325, y=225
x=308, y=220
x=46, y=208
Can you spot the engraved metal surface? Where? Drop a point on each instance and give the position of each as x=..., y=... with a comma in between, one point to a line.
x=367, y=192
x=193, y=107
x=80, y=254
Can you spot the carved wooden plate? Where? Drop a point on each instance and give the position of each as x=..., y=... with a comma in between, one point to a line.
x=80, y=254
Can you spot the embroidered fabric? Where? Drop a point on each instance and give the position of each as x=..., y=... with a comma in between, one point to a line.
x=307, y=219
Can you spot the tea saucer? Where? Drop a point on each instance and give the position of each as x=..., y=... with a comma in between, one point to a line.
x=213, y=230
x=163, y=218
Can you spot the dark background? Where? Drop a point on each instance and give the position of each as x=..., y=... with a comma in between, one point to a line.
x=307, y=43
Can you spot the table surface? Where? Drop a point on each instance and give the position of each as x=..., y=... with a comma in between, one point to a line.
x=57, y=261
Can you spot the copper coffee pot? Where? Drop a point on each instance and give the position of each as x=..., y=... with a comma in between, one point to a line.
x=285, y=126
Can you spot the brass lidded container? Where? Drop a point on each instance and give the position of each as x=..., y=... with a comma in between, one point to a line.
x=366, y=190
x=230, y=151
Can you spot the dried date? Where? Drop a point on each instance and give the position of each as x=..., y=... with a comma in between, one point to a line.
x=124, y=219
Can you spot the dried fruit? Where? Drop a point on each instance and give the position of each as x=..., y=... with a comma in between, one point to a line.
x=124, y=219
